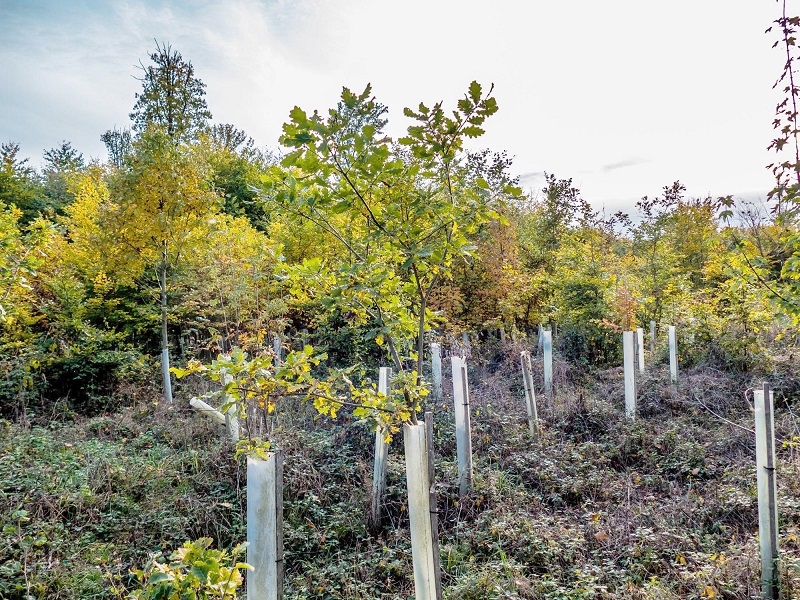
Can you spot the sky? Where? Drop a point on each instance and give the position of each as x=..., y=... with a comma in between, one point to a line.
x=622, y=96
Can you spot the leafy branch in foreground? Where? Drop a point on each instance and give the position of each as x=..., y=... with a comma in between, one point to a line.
x=404, y=212
x=194, y=572
x=255, y=386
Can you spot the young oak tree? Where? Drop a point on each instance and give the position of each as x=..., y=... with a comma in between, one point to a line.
x=402, y=212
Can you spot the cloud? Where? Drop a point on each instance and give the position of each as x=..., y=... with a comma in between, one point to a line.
x=623, y=164
x=531, y=177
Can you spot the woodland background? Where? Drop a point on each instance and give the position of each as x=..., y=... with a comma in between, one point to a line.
x=189, y=237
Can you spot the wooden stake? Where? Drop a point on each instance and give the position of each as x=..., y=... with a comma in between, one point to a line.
x=767, y=491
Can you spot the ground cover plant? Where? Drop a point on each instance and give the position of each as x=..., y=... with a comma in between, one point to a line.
x=662, y=507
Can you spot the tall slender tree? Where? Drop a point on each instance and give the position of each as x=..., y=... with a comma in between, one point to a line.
x=160, y=198
x=172, y=97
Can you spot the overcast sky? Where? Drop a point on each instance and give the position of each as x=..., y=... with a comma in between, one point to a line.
x=622, y=96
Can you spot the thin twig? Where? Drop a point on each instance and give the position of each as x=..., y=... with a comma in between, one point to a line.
x=720, y=417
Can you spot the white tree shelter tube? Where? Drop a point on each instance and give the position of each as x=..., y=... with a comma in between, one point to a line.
x=767, y=491
x=265, y=527
x=165, y=374
x=381, y=454
x=419, y=511
x=463, y=433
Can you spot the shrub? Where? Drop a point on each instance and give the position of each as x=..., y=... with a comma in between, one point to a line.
x=195, y=572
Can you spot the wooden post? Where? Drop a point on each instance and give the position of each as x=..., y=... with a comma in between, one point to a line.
x=502, y=335
x=265, y=527
x=540, y=339
x=381, y=452
x=530, y=395
x=463, y=435
x=767, y=491
x=436, y=367
x=628, y=350
x=419, y=511
x=673, y=355
x=434, y=505
x=547, y=347
x=652, y=339
x=640, y=348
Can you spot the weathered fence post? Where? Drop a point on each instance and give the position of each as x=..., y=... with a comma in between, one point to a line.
x=436, y=367
x=547, y=347
x=381, y=452
x=434, y=505
x=419, y=511
x=630, y=375
x=465, y=339
x=502, y=335
x=265, y=527
x=652, y=339
x=673, y=355
x=640, y=348
x=540, y=339
x=530, y=395
x=463, y=435
x=767, y=491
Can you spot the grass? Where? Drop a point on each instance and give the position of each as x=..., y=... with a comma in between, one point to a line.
x=663, y=507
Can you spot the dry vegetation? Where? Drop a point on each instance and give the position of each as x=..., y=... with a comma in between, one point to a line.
x=664, y=507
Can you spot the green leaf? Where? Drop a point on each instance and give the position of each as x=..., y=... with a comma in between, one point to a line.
x=475, y=91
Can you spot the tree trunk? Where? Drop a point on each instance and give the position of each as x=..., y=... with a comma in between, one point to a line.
x=421, y=338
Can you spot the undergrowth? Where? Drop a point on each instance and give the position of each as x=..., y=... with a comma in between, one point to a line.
x=663, y=507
